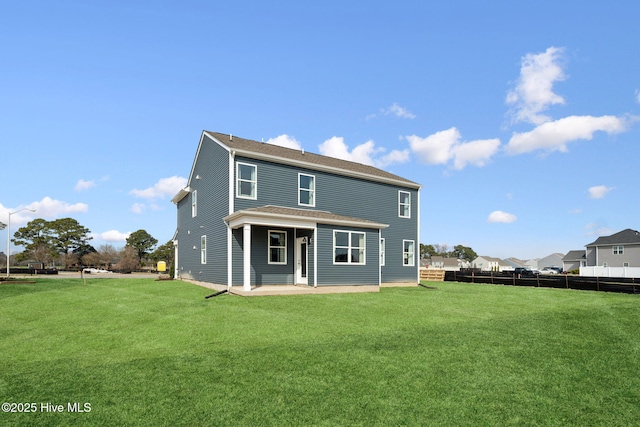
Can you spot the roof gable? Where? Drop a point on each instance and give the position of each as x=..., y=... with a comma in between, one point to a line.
x=627, y=236
x=278, y=154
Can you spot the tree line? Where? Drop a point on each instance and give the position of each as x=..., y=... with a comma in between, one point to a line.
x=65, y=242
x=458, y=251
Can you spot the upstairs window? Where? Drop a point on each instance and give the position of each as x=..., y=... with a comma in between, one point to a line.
x=618, y=250
x=348, y=247
x=404, y=204
x=306, y=190
x=246, y=181
x=277, y=247
x=194, y=203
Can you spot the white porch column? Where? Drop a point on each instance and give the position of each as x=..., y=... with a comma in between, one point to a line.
x=246, y=241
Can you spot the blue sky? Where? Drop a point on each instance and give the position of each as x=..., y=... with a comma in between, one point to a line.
x=520, y=119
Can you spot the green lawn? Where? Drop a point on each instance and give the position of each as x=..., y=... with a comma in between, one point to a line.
x=143, y=352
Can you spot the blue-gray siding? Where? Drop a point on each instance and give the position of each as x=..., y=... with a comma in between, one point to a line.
x=213, y=205
x=346, y=274
x=263, y=273
x=278, y=185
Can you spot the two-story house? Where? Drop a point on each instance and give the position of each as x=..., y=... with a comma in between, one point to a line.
x=257, y=214
x=621, y=249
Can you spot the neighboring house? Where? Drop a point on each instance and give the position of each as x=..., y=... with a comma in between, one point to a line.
x=574, y=260
x=553, y=260
x=487, y=263
x=514, y=263
x=621, y=249
x=257, y=214
x=532, y=263
x=444, y=263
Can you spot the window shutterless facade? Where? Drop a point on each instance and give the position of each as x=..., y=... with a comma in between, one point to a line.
x=306, y=190
x=408, y=253
x=618, y=250
x=246, y=180
x=349, y=247
x=382, y=252
x=194, y=203
x=277, y=247
x=404, y=204
x=203, y=249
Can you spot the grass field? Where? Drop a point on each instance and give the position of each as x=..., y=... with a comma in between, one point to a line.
x=142, y=352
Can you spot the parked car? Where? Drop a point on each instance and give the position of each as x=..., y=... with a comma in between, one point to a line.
x=551, y=270
x=523, y=271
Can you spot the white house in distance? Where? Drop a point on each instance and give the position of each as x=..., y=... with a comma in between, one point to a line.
x=487, y=263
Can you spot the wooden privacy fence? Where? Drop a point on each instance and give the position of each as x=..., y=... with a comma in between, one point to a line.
x=628, y=285
x=432, y=275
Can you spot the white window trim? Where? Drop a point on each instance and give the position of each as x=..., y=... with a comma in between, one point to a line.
x=400, y=192
x=313, y=192
x=618, y=250
x=203, y=249
x=413, y=264
x=194, y=204
x=383, y=252
x=238, y=180
x=269, y=247
x=350, y=247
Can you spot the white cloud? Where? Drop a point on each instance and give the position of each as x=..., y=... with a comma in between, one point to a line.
x=45, y=208
x=285, y=141
x=82, y=185
x=394, y=110
x=500, y=216
x=599, y=191
x=363, y=153
x=113, y=236
x=394, y=157
x=554, y=136
x=435, y=149
x=398, y=111
x=446, y=145
x=533, y=93
x=18, y=218
x=594, y=229
x=138, y=208
x=637, y=96
x=165, y=187
x=476, y=152
x=50, y=208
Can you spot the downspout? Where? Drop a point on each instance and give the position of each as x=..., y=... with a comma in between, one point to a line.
x=232, y=155
x=418, y=239
x=315, y=256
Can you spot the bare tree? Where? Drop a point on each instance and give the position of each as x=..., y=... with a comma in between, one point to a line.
x=91, y=259
x=129, y=260
x=441, y=249
x=108, y=255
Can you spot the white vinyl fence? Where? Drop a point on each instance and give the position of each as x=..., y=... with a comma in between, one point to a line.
x=610, y=271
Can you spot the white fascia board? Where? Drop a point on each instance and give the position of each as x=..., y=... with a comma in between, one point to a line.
x=181, y=195
x=270, y=221
x=240, y=218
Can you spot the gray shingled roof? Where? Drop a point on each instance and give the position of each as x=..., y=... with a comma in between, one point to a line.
x=624, y=237
x=575, y=255
x=287, y=155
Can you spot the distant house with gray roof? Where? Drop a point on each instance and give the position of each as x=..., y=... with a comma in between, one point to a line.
x=621, y=249
x=574, y=260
